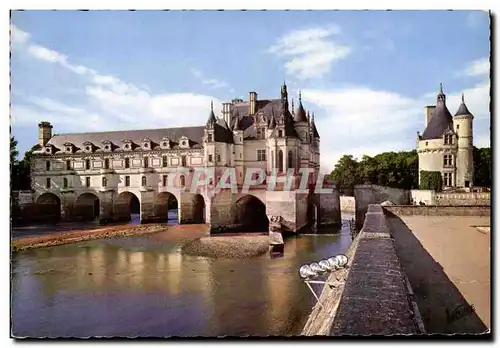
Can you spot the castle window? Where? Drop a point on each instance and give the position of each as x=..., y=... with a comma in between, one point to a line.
x=210, y=158
x=106, y=163
x=87, y=164
x=146, y=145
x=106, y=147
x=165, y=180
x=164, y=161
x=448, y=160
x=210, y=138
x=47, y=165
x=261, y=155
x=146, y=162
x=260, y=133
x=68, y=165
x=280, y=133
x=104, y=182
x=458, y=126
x=47, y=183
x=127, y=146
x=127, y=162
x=143, y=181
x=447, y=179
x=217, y=158
x=127, y=180
x=165, y=144
x=68, y=149
x=87, y=148
x=290, y=159
x=448, y=139
x=182, y=180
x=65, y=183
x=183, y=161
x=426, y=143
x=87, y=181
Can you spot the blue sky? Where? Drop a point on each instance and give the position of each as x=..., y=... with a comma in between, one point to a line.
x=367, y=75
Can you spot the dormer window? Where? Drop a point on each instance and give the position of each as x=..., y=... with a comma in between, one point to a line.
x=448, y=139
x=146, y=144
x=48, y=150
x=88, y=146
x=280, y=133
x=107, y=145
x=165, y=143
x=184, y=142
x=210, y=138
x=68, y=147
x=127, y=144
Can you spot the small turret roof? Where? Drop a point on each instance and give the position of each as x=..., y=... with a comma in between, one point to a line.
x=440, y=120
x=462, y=109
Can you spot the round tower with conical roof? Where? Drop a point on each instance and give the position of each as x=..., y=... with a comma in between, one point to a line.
x=462, y=125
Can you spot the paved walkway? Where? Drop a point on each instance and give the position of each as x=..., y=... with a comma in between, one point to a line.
x=447, y=261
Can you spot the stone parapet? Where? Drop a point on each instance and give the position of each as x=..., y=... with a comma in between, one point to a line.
x=434, y=210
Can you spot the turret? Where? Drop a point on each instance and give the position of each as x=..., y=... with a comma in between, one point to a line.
x=462, y=125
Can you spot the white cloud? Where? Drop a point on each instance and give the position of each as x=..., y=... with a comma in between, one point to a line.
x=310, y=52
x=213, y=83
x=43, y=53
x=359, y=120
x=109, y=103
x=474, y=18
x=17, y=35
x=478, y=67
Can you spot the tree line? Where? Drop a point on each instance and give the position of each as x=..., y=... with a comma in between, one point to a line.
x=398, y=170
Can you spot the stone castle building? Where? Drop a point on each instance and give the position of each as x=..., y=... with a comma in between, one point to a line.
x=446, y=145
x=110, y=175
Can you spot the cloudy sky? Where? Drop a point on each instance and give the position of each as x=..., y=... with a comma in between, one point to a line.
x=366, y=75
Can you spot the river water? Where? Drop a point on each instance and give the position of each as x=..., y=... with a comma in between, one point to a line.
x=144, y=286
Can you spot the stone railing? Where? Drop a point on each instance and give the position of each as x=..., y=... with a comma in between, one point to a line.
x=376, y=298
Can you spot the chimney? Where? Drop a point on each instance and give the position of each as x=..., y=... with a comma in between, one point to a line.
x=44, y=133
x=429, y=111
x=253, y=102
x=226, y=113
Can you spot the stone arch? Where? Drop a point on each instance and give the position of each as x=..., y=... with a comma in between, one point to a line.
x=290, y=159
x=250, y=214
x=87, y=207
x=166, y=207
x=279, y=160
x=199, y=209
x=48, y=207
x=126, y=205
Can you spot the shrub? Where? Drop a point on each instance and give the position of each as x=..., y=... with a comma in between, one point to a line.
x=431, y=181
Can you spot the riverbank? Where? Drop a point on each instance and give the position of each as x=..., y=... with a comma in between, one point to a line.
x=59, y=238
x=229, y=247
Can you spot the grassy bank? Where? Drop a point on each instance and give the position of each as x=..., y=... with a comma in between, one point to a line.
x=60, y=238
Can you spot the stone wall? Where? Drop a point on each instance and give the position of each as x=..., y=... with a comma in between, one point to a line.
x=329, y=209
x=372, y=304
x=434, y=210
x=470, y=198
x=373, y=194
x=429, y=197
x=347, y=204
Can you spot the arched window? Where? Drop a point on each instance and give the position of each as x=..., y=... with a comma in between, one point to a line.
x=127, y=162
x=87, y=164
x=290, y=159
x=182, y=180
x=106, y=163
x=280, y=161
x=47, y=165
x=104, y=182
x=65, y=183
x=146, y=162
x=144, y=181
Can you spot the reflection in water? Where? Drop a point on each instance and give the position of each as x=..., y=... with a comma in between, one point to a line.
x=143, y=286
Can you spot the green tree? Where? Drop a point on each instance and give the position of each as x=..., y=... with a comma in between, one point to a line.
x=482, y=166
x=431, y=181
x=346, y=174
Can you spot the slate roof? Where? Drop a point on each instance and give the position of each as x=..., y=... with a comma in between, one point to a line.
x=195, y=135
x=462, y=109
x=440, y=120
